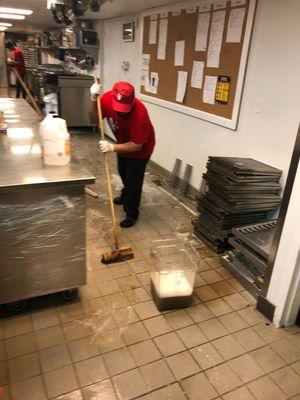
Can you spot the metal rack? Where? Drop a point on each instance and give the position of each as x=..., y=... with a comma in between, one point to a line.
x=30, y=54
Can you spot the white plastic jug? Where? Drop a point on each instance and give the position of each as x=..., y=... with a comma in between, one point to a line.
x=56, y=140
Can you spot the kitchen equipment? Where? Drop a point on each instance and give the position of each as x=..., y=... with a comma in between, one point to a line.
x=69, y=37
x=86, y=36
x=74, y=99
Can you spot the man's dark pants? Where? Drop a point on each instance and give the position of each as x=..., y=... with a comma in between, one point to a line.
x=20, y=87
x=132, y=172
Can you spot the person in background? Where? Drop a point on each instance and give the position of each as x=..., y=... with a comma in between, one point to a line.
x=129, y=121
x=19, y=64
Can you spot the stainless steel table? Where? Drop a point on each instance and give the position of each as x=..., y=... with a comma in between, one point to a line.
x=42, y=213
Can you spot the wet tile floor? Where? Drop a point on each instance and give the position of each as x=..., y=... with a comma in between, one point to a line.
x=113, y=344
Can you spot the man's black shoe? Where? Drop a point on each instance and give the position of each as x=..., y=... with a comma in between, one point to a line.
x=118, y=200
x=128, y=222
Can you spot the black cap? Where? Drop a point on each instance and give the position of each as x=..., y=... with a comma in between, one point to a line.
x=9, y=45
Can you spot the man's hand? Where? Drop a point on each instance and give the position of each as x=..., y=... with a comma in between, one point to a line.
x=95, y=90
x=106, y=147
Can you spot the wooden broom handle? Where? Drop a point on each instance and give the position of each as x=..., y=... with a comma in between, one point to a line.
x=33, y=102
x=112, y=207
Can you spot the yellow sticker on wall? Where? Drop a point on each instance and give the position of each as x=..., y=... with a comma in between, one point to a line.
x=222, y=90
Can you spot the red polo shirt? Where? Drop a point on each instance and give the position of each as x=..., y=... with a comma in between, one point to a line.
x=19, y=61
x=136, y=127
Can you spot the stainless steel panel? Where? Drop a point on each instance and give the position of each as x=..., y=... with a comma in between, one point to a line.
x=74, y=101
x=42, y=242
x=77, y=82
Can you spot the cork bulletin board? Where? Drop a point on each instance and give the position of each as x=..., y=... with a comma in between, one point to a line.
x=214, y=92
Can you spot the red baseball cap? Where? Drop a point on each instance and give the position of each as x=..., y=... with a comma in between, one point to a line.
x=123, y=97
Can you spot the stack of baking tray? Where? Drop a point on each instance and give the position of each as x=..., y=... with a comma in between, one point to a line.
x=249, y=257
x=234, y=192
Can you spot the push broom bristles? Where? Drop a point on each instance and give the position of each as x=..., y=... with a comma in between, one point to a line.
x=117, y=256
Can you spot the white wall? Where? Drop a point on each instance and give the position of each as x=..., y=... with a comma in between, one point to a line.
x=273, y=67
x=284, y=289
x=114, y=51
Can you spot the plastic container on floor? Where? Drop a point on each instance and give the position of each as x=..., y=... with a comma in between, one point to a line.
x=173, y=275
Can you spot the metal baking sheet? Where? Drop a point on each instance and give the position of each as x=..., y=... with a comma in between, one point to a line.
x=258, y=237
x=252, y=256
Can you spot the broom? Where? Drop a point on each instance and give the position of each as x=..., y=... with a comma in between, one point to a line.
x=33, y=102
x=119, y=254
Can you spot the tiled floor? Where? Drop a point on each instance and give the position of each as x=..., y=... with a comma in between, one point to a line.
x=113, y=344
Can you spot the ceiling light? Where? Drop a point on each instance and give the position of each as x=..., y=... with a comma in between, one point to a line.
x=15, y=11
x=3, y=28
x=5, y=24
x=12, y=16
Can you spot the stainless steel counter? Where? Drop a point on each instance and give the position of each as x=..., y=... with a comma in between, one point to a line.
x=42, y=213
x=21, y=164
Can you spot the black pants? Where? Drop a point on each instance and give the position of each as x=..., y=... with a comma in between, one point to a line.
x=132, y=172
x=20, y=87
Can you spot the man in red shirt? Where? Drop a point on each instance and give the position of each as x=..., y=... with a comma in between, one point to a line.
x=19, y=64
x=129, y=120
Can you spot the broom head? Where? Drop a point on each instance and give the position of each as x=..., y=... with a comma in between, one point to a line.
x=117, y=256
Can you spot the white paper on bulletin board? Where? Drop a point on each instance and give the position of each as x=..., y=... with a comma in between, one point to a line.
x=181, y=86
x=197, y=74
x=235, y=25
x=153, y=32
x=202, y=32
x=179, y=53
x=145, y=71
x=215, y=39
x=209, y=90
x=145, y=62
x=153, y=84
x=162, y=40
